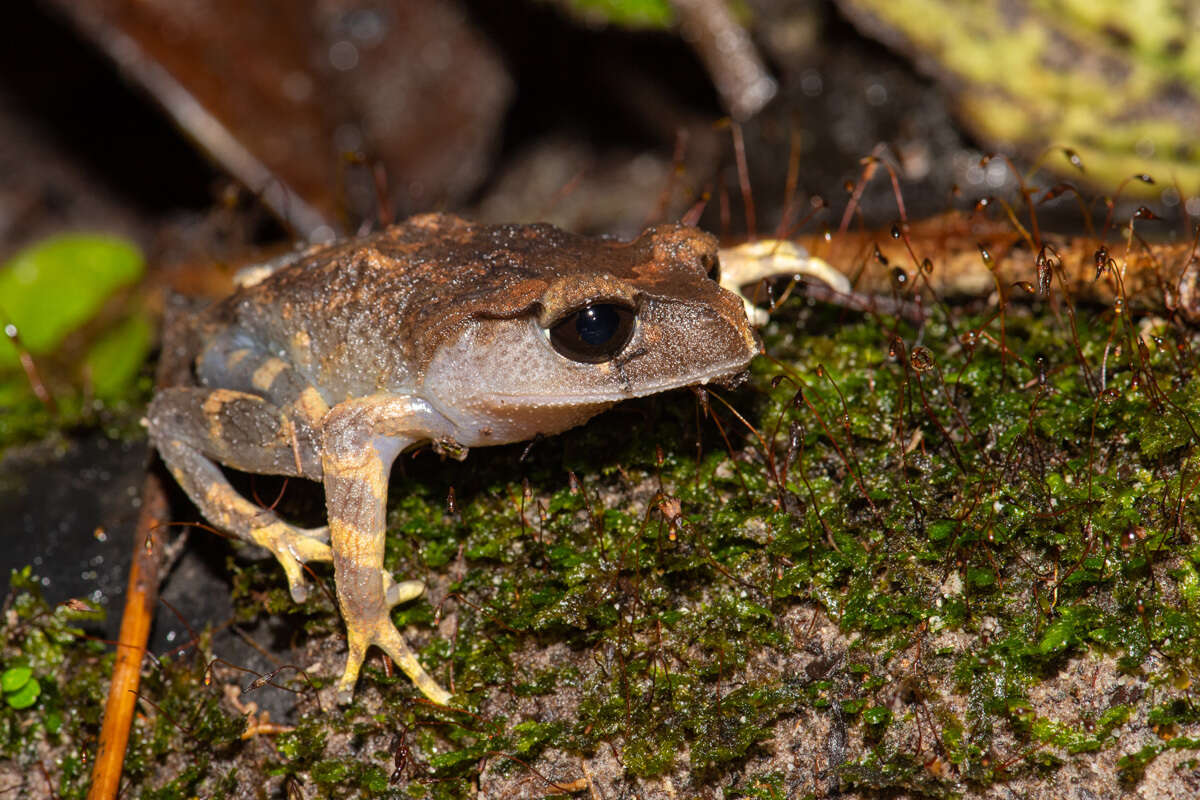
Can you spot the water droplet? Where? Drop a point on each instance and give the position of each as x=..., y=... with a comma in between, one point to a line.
x=451, y=502
x=1119, y=306
x=969, y=340
x=988, y=261
x=899, y=279
x=880, y=257
x=1109, y=395
x=895, y=231
x=1144, y=178
x=1074, y=159
x=1025, y=286
x=927, y=266
x=1144, y=213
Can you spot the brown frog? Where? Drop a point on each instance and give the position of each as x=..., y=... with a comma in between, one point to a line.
x=436, y=331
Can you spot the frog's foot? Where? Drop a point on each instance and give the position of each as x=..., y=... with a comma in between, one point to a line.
x=396, y=593
x=361, y=634
x=752, y=262
x=293, y=547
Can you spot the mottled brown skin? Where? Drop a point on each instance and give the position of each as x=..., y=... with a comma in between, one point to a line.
x=434, y=330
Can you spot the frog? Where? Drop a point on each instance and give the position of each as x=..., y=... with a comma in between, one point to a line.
x=436, y=331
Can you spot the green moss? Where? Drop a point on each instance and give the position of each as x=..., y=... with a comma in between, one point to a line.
x=641, y=588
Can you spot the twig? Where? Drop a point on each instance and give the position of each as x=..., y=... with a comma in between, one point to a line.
x=725, y=48
x=140, y=599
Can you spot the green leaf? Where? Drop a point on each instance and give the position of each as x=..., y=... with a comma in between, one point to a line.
x=1058, y=635
x=877, y=715
x=939, y=530
x=114, y=361
x=52, y=287
x=627, y=13
x=14, y=678
x=330, y=771
x=26, y=696
x=977, y=576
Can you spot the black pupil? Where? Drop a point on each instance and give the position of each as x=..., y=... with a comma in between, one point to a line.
x=597, y=324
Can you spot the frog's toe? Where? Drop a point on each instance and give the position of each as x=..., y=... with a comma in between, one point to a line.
x=294, y=570
x=295, y=578
x=293, y=548
x=384, y=635
x=354, y=659
x=401, y=592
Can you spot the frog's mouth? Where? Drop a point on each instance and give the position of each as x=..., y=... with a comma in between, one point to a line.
x=487, y=416
x=728, y=375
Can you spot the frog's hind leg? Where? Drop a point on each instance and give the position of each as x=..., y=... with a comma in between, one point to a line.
x=195, y=427
x=361, y=438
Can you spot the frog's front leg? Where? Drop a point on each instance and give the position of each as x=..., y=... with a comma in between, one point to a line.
x=360, y=440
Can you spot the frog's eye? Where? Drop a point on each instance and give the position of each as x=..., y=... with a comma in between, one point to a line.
x=594, y=333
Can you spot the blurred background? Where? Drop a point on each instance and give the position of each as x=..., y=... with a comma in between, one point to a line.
x=182, y=137
x=177, y=121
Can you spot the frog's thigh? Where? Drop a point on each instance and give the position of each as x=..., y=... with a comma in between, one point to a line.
x=192, y=427
x=229, y=363
x=240, y=430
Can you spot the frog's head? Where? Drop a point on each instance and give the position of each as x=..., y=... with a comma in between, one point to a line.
x=601, y=321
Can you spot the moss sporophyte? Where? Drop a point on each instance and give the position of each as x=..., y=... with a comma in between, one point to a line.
x=932, y=546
